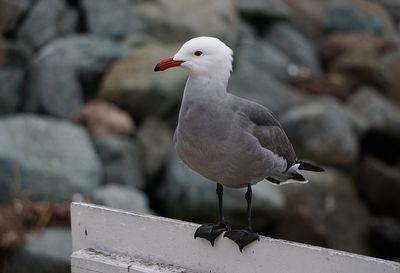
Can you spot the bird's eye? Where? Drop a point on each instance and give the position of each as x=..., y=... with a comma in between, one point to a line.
x=198, y=53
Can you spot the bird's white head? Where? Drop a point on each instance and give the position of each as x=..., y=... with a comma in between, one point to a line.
x=201, y=56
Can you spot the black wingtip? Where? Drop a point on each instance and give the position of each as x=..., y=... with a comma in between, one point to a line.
x=305, y=166
x=157, y=68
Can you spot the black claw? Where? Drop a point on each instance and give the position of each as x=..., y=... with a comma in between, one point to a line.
x=242, y=237
x=210, y=232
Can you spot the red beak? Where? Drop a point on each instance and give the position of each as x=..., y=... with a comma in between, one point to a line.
x=167, y=63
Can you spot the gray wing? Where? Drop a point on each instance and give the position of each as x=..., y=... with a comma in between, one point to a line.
x=267, y=129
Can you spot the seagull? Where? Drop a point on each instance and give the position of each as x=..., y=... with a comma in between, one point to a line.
x=230, y=140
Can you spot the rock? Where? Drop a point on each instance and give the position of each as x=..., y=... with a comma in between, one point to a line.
x=110, y=18
x=320, y=211
x=259, y=68
x=321, y=131
x=374, y=179
x=376, y=111
x=384, y=238
x=121, y=197
x=132, y=85
x=155, y=137
x=262, y=10
x=49, y=73
x=306, y=16
x=298, y=48
x=188, y=19
x=46, y=159
x=11, y=11
x=357, y=16
x=363, y=67
x=253, y=52
x=47, y=20
x=391, y=65
x=49, y=251
x=187, y=195
x=121, y=158
x=102, y=118
x=334, y=84
x=335, y=45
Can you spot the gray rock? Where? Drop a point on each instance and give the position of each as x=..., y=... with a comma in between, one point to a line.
x=391, y=64
x=111, y=18
x=375, y=110
x=262, y=55
x=263, y=9
x=122, y=160
x=187, y=195
x=326, y=212
x=47, y=159
x=46, y=252
x=345, y=17
x=322, y=131
x=122, y=197
x=259, y=71
x=131, y=85
x=47, y=20
x=11, y=12
x=155, y=137
x=53, y=82
x=181, y=20
x=297, y=47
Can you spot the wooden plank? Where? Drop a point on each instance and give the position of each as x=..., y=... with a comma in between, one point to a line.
x=168, y=241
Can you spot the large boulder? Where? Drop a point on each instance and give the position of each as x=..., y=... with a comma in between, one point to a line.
x=260, y=69
x=122, y=160
x=45, y=159
x=181, y=20
x=358, y=16
x=102, y=118
x=187, y=195
x=47, y=20
x=46, y=251
x=375, y=111
x=53, y=85
x=155, y=137
x=384, y=237
x=132, y=84
x=114, y=19
x=326, y=212
x=297, y=47
x=121, y=197
x=322, y=131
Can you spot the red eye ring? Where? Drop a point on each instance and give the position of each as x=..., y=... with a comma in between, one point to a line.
x=198, y=53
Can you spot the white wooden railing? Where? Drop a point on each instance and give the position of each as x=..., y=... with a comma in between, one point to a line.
x=107, y=240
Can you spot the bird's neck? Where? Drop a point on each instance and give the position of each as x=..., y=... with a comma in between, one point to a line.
x=206, y=86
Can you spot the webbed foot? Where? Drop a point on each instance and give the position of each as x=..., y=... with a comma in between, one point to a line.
x=242, y=237
x=210, y=231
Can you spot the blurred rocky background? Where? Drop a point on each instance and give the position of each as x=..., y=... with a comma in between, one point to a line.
x=84, y=117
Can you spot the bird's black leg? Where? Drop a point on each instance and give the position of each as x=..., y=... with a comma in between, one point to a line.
x=211, y=231
x=244, y=236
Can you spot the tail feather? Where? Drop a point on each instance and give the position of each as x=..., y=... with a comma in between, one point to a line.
x=305, y=166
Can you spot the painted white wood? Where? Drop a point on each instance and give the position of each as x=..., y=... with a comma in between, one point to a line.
x=170, y=242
